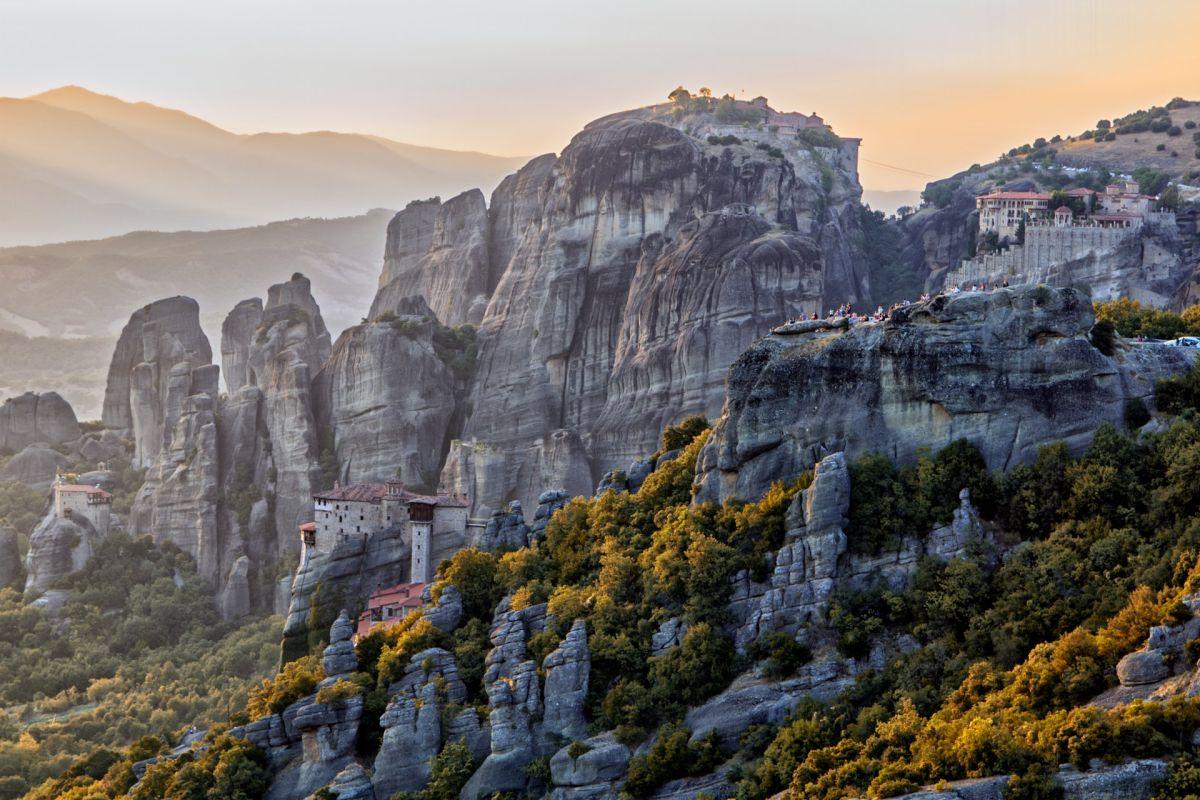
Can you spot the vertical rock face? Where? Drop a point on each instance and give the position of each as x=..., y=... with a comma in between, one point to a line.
x=440, y=252
x=178, y=500
x=142, y=396
x=567, y=670
x=34, y=418
x=389, y=399
x=290, y=345
x=1007, y=370
x=629, y=274
x=237, y=337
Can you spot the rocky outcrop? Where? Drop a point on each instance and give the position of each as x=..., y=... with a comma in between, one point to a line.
x=289, y=346
x=596, y=773
x=339, y=659
x=33, y=418
x=161, y=342
x=57, y=548
x=581, y=359
x=567, y=668
x=438, y=251
x=506, y=529
x=237, y=340
x=309, y=743
x=412, y=724
x=1133, y=780
x=1008, y=370
x=352, y=783
x=381, y=416
x=178, y=500
x=35, y=466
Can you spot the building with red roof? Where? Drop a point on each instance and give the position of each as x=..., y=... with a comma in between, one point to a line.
x=75, y=501
x=388, y=605
x=431, y=524
x=1003, y=212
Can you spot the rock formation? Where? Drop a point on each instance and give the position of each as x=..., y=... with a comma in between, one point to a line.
x=35, y=466
x=412, y=723
x=57, y=548
x=237, y=340
x=388, y=399
x=438, y=251
x=567, y=670
x=157, y=349
x=620, y=279
x=1008, y=370
x=290, y=345
x=33, y=418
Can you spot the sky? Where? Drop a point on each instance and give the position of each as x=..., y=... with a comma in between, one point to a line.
x=930, y=85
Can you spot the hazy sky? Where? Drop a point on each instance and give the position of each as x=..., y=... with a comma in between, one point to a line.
x=930, y=85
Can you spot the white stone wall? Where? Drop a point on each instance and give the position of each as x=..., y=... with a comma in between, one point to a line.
x=338, y=519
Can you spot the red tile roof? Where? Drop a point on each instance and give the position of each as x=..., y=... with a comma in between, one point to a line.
x=1063, y=210
x=402, y=595
x=1080, y=192
x=309, y=527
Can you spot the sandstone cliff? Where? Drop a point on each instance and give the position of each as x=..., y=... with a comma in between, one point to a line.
x=621, y=279
x=387, y=399
x=30, y=418
x=1008, y=370
x=141, y=398
x=233, y=476
x=439, y=251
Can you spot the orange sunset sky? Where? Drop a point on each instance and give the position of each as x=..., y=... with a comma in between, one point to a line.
x=930, y=85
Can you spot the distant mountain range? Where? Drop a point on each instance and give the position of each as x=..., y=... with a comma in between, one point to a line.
x=75, y=164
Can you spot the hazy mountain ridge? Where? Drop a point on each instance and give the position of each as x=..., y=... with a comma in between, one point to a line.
x=124, y=166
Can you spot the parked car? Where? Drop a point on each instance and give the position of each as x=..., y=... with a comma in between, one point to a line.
x=1185, y=341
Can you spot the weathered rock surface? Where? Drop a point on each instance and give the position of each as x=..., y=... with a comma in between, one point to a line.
x=290, y=345
x=161, y=341
x=1133, y=780
x=388, y=399
x=1007, y=370
x=579, y=337
x=178, y=501
x=339, y=659
x=593, y=775
x=506, y=528
x=30, y=418
x=35, y=466
x=567, y=669
x=412, y=724
x=352, y=783
x=57, y=548
x=440, y=252
x=237, y=340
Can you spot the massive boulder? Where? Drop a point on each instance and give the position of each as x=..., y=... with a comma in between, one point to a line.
x=35, y=466
x=1008, y=370
x=621, y=280
x=438, y=251
x=30, y=418
x=389, y=399
x=57, y=548
x=161, y=340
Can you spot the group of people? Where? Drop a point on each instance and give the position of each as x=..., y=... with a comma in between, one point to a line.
x=846, y=310
x=980, y=287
